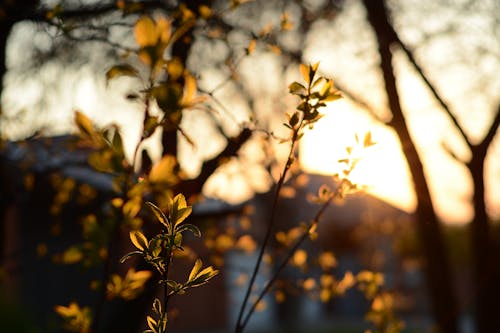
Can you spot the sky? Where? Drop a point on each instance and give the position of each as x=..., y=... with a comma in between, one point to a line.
x=346, y=51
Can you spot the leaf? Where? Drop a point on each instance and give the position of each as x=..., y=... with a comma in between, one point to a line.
x=189, y=90
x=121, y=70
x=194, y=271
x=297, y=89
x=84, y=124
x=128, y=255
x=159, y=215
x=190, y=227
x=157, y=306
x=251, y=46
x=145, y=32
x=181, y=215
x=151, y=323
x=139, y=240
x=367, y=142
x=179, y=210
x=164, y=29
x=304, y=70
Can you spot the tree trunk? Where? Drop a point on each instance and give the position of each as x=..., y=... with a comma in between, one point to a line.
x=486, y=272
x=437, y=267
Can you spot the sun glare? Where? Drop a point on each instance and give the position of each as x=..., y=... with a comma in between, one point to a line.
x=382, y=169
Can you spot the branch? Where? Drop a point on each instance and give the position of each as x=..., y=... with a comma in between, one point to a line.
x=194, y=186
x=492, y=130
x=432, y=88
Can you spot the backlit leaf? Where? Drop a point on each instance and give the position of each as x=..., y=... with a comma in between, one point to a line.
x=297, y=89
x=139, y=240
x=164, y=29
x=304, y=70
x=121, y=70
x=190, y=227
x=145, y=32
x=159, y=215
x=84, y=124
x=195, y=270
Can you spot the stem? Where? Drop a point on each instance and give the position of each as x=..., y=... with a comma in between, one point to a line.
x=239, y=325
x=285, y=260
x=130, y=172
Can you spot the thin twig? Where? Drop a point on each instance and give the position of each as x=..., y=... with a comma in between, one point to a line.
x=270, y=226
x=285, y=260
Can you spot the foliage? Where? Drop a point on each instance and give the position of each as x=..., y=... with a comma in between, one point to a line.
x=168, y=84
x=159, y=251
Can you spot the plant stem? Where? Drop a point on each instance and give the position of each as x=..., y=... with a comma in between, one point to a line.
x=285, y=260
x=239, y=325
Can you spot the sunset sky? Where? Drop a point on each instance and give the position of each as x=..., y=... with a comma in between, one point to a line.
x=345, y=50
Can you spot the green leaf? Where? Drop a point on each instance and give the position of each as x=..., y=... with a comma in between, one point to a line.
x=157, y=306
x=155, y=247
x=190, y=227
x=121, y=70
x=128, y=255
x=139, y=240
x=179, y=210
x=182, y=214
x=160, y=216
x=178, y=240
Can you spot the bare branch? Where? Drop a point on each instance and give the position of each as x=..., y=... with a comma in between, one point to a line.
x=492, y=130
x=430, y=85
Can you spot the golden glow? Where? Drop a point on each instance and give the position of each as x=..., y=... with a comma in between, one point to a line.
x=382, y=169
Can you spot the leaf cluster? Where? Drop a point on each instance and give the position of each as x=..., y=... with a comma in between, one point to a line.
x=314, y=95
x=158, y=252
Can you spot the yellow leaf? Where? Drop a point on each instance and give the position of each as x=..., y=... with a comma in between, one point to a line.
x=164, y=29
x=304, y=70
x=84, y=124
x=195, y=270
x=151, y=323
x=251, y=46
x=189, y=89
x=139, y=240
x=145, y=32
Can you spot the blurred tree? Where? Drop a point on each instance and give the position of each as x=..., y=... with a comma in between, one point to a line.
x=90, y=21
x=486, y=290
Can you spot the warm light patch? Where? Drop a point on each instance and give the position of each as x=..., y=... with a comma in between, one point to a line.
x=382, y=170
